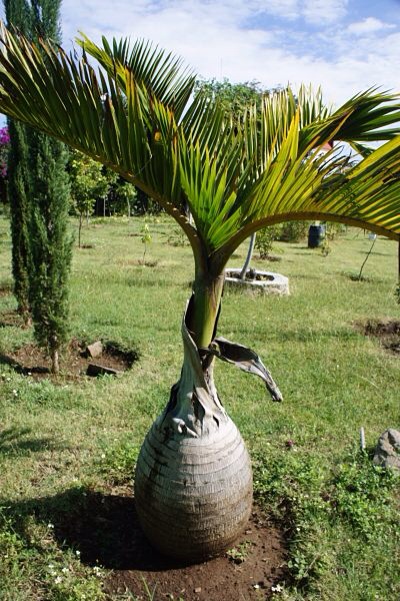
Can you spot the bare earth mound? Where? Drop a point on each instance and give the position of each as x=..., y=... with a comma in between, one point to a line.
x=107, y=533
x=388, y=333
x=248, y=571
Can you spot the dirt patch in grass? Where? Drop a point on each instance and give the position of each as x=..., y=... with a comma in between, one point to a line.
x=388, y=332
x=31, y=361
x=106, y=532
x=137, y=262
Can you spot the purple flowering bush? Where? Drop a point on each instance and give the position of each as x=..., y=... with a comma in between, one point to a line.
x=4, y=146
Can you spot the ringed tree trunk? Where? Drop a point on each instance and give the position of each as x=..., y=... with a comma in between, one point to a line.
x=193, y=481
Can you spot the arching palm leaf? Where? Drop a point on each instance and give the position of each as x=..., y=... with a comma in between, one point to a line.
x=236, y=173
x=159, y=71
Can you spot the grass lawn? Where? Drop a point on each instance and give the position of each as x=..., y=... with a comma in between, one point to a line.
x=59, y=440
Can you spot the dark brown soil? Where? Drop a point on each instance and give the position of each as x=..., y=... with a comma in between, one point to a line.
x=271, y=258
x=388, y=333
x=31, y=361
x=221, y=579
x=106, y=532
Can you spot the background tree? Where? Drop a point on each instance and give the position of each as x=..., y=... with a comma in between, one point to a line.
x=144, y=204
x=18, y=14
x=193, y=482
x=50, y=243
x=237, y=98
x=233, y=97
x=88, y=182
x=121, y=196
x=39, y=198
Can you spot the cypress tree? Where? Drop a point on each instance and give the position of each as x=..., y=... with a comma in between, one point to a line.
x=18, y=14
x=43, y=199
x=50, y=245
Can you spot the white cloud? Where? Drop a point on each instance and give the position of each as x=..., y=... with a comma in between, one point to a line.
x=287, y=9
x=368, y=25
x=234, y=39
x=324, y=11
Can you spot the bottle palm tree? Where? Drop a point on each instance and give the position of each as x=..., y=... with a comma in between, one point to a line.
x=137, y=115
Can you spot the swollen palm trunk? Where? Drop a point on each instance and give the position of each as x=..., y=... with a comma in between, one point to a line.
x=193, y=483
x=193, y=495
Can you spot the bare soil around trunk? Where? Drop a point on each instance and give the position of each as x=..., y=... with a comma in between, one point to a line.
x=106, y=532
x=31, y=361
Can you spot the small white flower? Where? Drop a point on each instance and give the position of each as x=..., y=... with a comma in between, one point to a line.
x=58, y=580
x=15, y=392
x=256, y=586
x=277, y=589
x=50, y=525
x=51, y=566
x=65, y=570
x=103, y=455
x=77, y=553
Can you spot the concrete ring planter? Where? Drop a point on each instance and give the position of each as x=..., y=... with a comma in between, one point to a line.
x=264, y=282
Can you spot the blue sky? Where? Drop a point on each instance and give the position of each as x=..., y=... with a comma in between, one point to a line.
x=343, y=45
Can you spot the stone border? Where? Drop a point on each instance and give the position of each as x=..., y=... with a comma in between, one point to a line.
x=275, y=284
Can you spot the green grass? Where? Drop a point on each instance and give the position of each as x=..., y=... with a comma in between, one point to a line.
x=339, y=512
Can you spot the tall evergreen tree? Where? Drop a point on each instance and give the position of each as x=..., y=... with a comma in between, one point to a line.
x=44, y=207
x=50, y=245
x=18, y=15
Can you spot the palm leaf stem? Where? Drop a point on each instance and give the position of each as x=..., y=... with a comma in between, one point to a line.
x=220, y=257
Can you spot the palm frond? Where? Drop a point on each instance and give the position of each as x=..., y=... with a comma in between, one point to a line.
x=235, y=172
x=160, y=72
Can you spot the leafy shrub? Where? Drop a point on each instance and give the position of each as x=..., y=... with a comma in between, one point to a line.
x=265, y=239
x=293, y=231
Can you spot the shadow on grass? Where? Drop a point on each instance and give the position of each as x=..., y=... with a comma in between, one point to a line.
x=13, y=442
x=104, y=528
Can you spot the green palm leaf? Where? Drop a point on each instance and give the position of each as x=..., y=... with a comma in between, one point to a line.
x=236, y=173
x=161, y=72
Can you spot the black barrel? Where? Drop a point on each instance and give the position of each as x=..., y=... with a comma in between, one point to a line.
x=316, y=234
